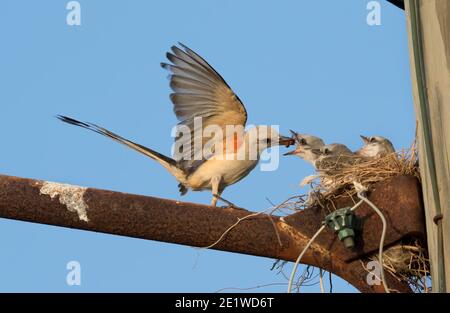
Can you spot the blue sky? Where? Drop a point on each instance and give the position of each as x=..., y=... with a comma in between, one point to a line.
x=312, y=66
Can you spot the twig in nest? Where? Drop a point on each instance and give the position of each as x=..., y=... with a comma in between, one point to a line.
x=337, y=181
x=408, y=263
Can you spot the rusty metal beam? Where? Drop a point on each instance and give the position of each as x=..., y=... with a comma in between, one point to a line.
x=185, y=223
x=399, y=199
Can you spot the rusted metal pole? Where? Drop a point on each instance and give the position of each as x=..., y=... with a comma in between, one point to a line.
x=193, y=224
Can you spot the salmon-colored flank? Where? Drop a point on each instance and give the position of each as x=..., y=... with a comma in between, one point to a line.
x=235, y=142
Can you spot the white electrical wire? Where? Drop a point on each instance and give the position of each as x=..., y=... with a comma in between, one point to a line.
x=383, y=235
x=357, y=205
x=294, y=270
x=291, y=279
x=322, y=288
x=380, y=249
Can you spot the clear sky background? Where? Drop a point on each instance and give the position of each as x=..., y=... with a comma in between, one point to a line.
x=312, y=66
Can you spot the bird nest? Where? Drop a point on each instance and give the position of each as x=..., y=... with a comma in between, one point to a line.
x=336, y=179
x=407, y=262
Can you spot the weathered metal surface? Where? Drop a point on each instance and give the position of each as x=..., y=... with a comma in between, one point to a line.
x=179, y=222
x=400, y=201
x=428, y=24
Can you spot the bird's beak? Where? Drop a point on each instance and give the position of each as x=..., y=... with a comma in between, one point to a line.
x=365, y=139
x=293, y=152
x=294, y=134
x=286, y=141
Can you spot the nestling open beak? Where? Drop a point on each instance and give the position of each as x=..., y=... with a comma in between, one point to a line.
x=286, y=141
x=293, y=152
x=365, y=139
x=294, y=134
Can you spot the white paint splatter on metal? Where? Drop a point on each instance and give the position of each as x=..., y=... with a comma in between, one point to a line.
x=69, y=195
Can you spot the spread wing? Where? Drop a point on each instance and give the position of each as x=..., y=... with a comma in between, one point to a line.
x=199, y=92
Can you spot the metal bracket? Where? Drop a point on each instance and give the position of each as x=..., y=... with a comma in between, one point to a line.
x=345, y=224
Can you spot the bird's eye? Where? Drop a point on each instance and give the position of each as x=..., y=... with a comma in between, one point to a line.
x=326, y=151
x=372, y=139
x=302, y=141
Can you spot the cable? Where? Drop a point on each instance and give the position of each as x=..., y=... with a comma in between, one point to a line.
x=357, y=205
x=383, y=235
x=294, y=270
x=322, y=288
x=380, y=249
x=291, y=279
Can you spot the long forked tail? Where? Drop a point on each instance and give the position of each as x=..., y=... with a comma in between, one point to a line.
x=169, y=163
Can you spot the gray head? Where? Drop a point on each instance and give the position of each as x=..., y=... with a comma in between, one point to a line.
x=375, y=147
x=307, y=140
x=304, y=145
x=262, y=137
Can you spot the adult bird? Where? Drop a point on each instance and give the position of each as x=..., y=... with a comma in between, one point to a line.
x=375, y=147
x=202, y=101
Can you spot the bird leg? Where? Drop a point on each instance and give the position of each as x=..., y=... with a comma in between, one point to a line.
x=215, y=188
x=230, y=204
x=214, y=199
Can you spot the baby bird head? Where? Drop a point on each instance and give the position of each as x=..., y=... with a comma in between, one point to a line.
x=304, y=146
x=375, y=147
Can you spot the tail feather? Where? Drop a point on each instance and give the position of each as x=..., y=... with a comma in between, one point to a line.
x=170, y=164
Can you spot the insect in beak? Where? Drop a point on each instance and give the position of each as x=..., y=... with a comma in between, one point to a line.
x=286, y=141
